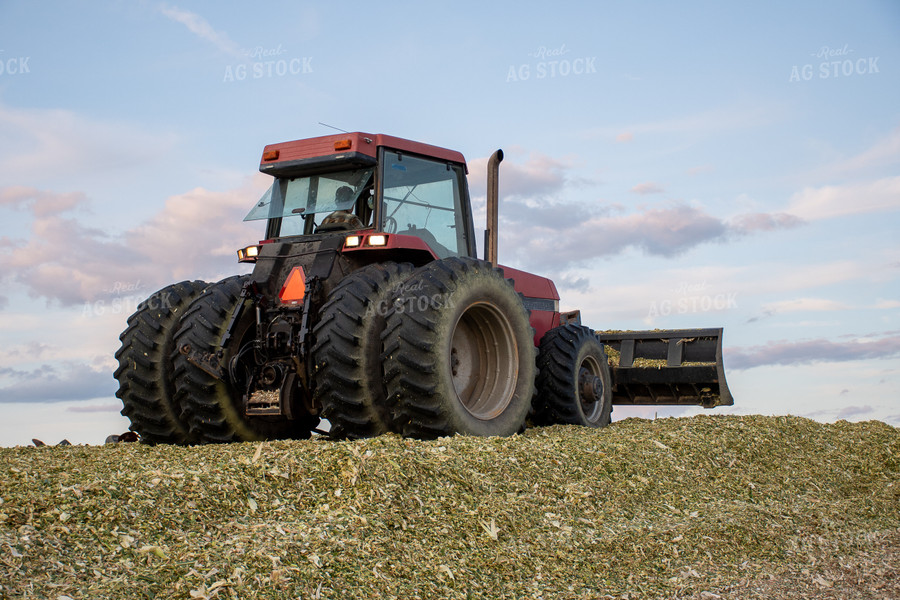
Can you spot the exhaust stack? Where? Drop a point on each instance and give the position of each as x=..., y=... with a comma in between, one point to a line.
x=493, y=187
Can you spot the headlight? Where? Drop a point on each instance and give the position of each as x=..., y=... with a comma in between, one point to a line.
x=248, y=254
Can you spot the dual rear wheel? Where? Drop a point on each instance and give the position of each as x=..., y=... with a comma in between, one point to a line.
x=443, y=349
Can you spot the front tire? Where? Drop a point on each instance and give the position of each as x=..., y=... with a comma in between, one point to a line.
x=574, y=385
x=145, y=371
x=459, y=353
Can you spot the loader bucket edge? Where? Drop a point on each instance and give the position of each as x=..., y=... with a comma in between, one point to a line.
x=667, y=367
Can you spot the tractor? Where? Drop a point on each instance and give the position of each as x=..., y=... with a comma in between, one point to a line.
x=367, y=307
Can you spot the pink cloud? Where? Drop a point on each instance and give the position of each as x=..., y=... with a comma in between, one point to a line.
x=783, y=353
x=647, y=188
x=41, y=203
x=539, y=175
x=557, y=234
x=193, y=236
x=830, y=201
x=752, y=222
x=554, y=236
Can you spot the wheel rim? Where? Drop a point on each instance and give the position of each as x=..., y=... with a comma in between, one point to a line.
x=484, y=361
x=591, y=400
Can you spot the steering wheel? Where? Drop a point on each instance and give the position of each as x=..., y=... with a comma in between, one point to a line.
x=390, y=224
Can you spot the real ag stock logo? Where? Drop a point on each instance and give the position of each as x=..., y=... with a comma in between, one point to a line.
x=15, y=65
x=834, y=63
x=124, y=298
x=550, y=63
x=267, y=62
x=692, y=298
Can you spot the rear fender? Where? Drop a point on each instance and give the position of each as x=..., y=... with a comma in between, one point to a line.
x=540, y=298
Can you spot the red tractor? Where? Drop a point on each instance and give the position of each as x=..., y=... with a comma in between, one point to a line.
x=368, y=307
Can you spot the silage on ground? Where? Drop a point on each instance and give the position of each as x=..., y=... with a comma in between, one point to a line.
x=694, y=507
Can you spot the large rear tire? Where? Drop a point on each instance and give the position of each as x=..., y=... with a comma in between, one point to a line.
x=348, y=375
x=213, y=407
x=145, y=371
x=574, y=384
x=459, y=353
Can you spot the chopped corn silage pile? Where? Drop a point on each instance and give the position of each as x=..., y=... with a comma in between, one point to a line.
x=702, y=507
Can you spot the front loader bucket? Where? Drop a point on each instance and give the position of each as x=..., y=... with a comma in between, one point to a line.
x=667, y=366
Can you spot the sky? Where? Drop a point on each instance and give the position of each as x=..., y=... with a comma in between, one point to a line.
x=668, y=165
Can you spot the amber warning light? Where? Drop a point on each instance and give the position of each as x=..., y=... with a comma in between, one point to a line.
x=270, y=155
x=343, y=144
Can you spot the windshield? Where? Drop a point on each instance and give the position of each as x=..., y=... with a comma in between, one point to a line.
x=301, y=199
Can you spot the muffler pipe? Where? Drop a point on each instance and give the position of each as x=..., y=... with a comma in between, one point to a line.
x=491, y=233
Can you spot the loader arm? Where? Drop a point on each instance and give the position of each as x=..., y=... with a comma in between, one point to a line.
x=667, y=367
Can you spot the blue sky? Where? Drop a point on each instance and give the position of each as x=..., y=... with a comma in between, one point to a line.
x=693, y=164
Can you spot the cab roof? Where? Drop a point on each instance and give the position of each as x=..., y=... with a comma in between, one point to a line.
x=345, y=148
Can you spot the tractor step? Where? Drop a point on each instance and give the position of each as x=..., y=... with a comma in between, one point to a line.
x=667, y=366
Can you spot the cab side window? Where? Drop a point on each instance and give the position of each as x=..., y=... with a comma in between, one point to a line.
x=422, y=198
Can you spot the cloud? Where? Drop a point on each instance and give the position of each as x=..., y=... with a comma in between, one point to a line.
x=556, y=235
x=883, y=153
x=539, y=175
x=693, y=171
x=30, y=350
x=568, y=281
x=95, y=408
x=549, y=233
x=71, y=144
x=546, y=232
x=571, y=236
x=854, y=411
x=625, y=137
x=52, y=383
x=39, y=202
x=827, y=202
x=753, y=222
x=194, y=236
x=202, y=29
x=647, y=188
x=787, y=353
x=804, y=305
x=816, y=305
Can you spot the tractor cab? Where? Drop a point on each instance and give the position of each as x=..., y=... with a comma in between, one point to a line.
x=368, y=184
